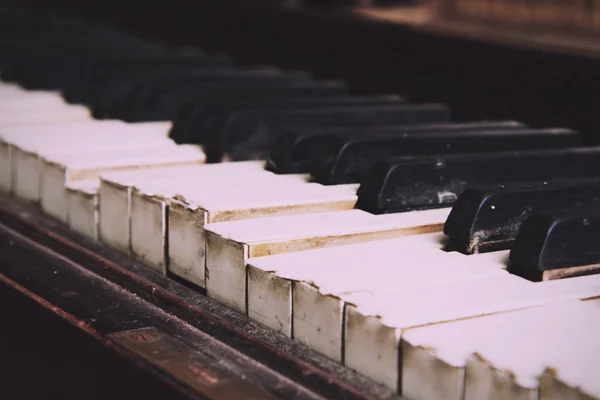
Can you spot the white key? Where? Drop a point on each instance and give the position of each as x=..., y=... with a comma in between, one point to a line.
x=29, y=145
x=438, y=354
x=306, y=198
x=247, y=239
x=370, y=318
x=149, y=204
x=487, y=372
x=318, y=305
x=39, y=107
x=116, y=189
x=60, y=169
x=18, y=148
x=270, y=278
x=82, y=207
x=26, y=129
x=575, y=375
x=48, y=148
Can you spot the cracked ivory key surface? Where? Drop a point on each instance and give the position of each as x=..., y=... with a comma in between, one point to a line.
x=553, y=336
x=153, y=203
x=116, y=187
x=246, y=239
x=270, y=278
x=135, y=207
x=318, y=304
x=374, y=322
x=510, y=368
x=303, y=198
x=190, y=208
x=278, y=284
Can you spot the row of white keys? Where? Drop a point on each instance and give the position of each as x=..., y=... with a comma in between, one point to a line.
x=233, y=244
x=43, y=164
x=89, y=165
x=184, y=206
x=547, y=352
x=44, y=110
x=28, y=145
x=371, y=318
x=225, y=191
x=116, y=190
x=302, y=294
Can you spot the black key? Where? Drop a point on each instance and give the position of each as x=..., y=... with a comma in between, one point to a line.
x=489, y=218
x=206, y=119
x=253, y=133
x=49, y=71
x=411, y=183
x=294, y=151
x=79, y=89
x=558, y=243
x=113, y=93
x=160, y=101
x=346, y=161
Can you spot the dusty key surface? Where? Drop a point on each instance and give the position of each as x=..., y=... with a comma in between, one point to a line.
x=370, y=315
x=246, y=239
x=82, y=207
x=296, y=197
x=318, y=303
x=29, y=145
x=152, y=206
x=116, y=188
x=270, y=279
x=72, y=167
x=442, y=351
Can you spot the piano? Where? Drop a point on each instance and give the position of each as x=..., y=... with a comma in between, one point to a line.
x=269, y=199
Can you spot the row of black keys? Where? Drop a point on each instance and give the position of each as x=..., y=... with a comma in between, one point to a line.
x=406, y=156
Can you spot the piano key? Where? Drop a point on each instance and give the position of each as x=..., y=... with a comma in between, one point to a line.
x=318, y=306
x=559, y=243
x=516, y=366
x=151, y=213
x=270, y=291
x=158, y=102
x=39, y=108
x=575, y=380
x=429, y=182
x=201, y=206
x=246, y=239
x=344, y=266
x=29, y=146
x=116, y=187
x=65, y=167
x=443, y=350
x=257, y=130
x=489, y=218
x=370, y=317
x=293, y=152
x=82, y=207
x=126, y=68
x=302, y=198
x=202, y=120
x=213, y=91
x=9, y=155
x=347, y=161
